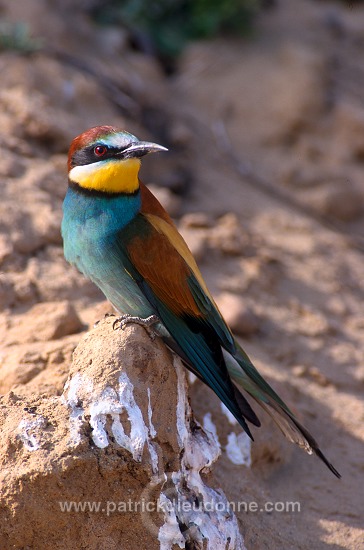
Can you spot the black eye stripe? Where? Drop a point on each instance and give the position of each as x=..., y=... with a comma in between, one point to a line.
x=88, y=156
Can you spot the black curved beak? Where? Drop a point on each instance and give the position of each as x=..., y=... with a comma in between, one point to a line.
x=139, y=149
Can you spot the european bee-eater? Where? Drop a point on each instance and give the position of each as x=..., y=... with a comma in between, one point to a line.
x=119, y=236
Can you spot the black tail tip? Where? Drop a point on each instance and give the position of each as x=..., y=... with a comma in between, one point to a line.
x=245, y=426
x=321, y=455
x=334, y=471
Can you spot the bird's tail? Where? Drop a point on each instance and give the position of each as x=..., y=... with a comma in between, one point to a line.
x=245, y=376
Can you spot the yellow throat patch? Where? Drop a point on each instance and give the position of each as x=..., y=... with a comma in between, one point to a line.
x=108, y=176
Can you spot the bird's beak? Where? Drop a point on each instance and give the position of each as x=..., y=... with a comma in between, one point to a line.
x=141, y=148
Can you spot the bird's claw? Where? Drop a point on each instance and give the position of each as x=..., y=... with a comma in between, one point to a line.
x=147, y=323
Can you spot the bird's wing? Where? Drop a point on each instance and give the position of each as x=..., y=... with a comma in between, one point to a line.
x=172, y=272
x=164, y=268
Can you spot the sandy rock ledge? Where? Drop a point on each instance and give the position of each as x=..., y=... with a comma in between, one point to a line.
x=120, y=448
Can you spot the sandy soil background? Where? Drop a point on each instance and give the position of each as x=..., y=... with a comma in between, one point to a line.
x=265, y=180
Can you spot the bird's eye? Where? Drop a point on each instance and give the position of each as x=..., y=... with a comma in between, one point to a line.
x=100, y=150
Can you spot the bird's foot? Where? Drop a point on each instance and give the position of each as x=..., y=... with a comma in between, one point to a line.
x=147, y=323
x=105, y=317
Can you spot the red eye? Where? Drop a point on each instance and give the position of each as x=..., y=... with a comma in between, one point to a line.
x=100, y=150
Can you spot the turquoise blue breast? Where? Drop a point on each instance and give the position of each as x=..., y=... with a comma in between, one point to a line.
x=92, y=237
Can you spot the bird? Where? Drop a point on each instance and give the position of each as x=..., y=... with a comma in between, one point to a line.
x=119, y=236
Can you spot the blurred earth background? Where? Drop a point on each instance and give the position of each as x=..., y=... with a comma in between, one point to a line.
x=264, y=177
